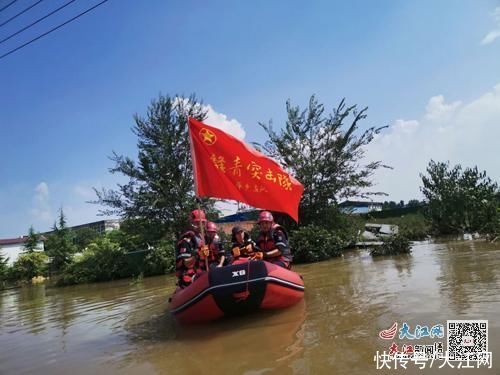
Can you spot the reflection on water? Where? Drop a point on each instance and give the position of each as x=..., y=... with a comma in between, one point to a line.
x=468, y=277
x=123, y=327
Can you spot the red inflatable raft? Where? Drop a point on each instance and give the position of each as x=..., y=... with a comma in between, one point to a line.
x=236, y=289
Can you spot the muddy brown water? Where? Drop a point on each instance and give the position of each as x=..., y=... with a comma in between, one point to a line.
x=124, y=327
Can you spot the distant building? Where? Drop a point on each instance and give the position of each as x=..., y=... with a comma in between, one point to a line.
x=101, y=226
x=244, y=219
x=360, y=207
x=13, y=247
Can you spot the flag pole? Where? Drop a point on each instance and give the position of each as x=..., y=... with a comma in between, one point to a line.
x=202, y=231
x=193, y=164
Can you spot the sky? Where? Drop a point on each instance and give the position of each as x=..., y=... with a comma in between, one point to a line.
x=429, y=70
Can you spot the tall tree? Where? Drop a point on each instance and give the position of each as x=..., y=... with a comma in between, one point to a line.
x=59, y=245
x=460, y=200
x=32, y=241
x=160, y=188
x=325, y=153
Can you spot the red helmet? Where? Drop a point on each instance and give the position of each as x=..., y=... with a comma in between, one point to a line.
x=197, y=216
x=211, y=227
x=265, y=216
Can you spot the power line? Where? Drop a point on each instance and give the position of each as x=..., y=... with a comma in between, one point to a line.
x=38, y=20
x=8, y=5
x=53, y=29
x=22, y=12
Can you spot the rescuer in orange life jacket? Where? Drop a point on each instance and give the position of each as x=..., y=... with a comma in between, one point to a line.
x=216, y=253
x=243, y=246
x=188, y=248
x=273, y=241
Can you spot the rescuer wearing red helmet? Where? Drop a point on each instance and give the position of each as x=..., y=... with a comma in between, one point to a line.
x=273, y=241
x=216, y=253
x=189, y=246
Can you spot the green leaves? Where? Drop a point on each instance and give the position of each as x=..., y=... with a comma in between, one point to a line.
x=393, y=245
x=59, y=245
x=460, y=200
x=29, y=265
x=325, y=153
x=160, y=189
x=31, y=242
x=4, y=267
x=312, y=243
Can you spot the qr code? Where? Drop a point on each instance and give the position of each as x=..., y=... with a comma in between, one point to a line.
x=467, y=339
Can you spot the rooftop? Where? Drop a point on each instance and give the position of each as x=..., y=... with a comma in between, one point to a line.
x=18, y=240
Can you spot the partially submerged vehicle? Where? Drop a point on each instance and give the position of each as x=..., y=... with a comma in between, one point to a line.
x=374, y=234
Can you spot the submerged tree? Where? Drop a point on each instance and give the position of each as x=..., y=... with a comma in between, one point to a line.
x=325, y=153
x=460, y=200
x=160, y=190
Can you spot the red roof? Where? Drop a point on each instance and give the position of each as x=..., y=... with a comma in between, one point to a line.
x=13, y=241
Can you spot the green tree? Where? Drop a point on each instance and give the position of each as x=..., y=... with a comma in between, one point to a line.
x=4, y=267
x=393, y=245
x=59, y=244
x=159, y=193
x=312, y=244
x=32, y=241
x=325, y=153
x=83, y=237
x=389, y=205
x=413, y=203
x=30, y=265
x=103, y=260
x=460, y=200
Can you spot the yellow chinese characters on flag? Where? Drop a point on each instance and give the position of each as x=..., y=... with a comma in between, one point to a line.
x=226, y=167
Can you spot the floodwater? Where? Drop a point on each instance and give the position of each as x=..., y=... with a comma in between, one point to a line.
x=124, y=327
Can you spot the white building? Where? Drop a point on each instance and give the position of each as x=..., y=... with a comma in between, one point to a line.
x=360, y=207
x=13, y=247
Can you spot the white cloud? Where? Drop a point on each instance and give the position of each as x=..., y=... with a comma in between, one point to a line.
x=439, y=111
x=465, y=133
x=490, y=37
x=41, y=211
x=42, y=191
x=221, y=121
x=406, y=126
x=494, y=34
x=233, y=127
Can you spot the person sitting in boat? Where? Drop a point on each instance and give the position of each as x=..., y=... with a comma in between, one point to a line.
x=216, y=253
x=189, y=245
x=273, y=241
x=243, y=246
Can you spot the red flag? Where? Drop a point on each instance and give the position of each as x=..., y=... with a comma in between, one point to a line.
x=227, y=168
